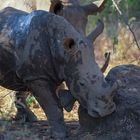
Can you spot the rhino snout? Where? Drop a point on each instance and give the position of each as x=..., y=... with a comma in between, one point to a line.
x=102, y=103
x=102, y=111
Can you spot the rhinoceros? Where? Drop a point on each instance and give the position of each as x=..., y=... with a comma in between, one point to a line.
x=38, y=51
x=77, y=14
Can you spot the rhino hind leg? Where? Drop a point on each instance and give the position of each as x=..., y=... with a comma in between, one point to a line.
x=66, y=99
x=24, y=113
x=51, y=106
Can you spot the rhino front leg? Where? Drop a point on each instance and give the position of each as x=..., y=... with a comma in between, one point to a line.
x=49, y=103
x=66, y=99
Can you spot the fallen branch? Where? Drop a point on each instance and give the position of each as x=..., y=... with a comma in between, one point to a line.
x=124, y=20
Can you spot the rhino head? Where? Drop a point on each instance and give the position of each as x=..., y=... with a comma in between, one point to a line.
x=78, y=68
x=76, y=13
x=86, y=81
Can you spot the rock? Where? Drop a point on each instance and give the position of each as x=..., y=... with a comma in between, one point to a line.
x=124, y=123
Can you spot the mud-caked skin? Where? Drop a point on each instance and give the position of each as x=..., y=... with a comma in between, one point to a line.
x=77, y=14
x=40, y=50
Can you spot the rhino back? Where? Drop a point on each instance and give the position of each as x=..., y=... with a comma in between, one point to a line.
x=35, y=43
x=36, y=57
x=7, y=46
x=18, y=44
x=43, y=51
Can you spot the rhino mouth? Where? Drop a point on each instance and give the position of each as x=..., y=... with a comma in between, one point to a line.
x=102, y=112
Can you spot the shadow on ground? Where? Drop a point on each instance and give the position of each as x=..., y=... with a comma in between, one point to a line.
x=38, y=131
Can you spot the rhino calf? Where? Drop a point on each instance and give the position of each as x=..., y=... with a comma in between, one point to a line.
x=40, y=50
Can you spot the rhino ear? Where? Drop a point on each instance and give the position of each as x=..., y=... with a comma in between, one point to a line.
x=56, y=6
x=69, y=43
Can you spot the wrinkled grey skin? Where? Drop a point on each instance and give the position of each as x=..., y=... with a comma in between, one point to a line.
x=41, y=50
x=77, y=15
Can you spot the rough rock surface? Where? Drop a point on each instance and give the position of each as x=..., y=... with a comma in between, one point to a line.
x=124, y=123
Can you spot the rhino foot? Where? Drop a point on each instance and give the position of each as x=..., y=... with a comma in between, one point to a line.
x=66, y=99
x=24, y=114
x=30, y=117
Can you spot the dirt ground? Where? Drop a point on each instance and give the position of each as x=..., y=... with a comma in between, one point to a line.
x=38, y=131
x=12, y=130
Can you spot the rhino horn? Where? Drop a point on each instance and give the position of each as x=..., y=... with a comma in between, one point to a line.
x=56, y=6
x=107, y=59
x=96, y=32
x=94, y=7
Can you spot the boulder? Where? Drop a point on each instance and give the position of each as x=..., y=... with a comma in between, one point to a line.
x=124, y=123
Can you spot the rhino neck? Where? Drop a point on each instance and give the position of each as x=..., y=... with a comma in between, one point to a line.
x=58, y=31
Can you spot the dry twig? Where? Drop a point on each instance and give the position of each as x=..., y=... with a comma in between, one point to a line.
x=124, y=20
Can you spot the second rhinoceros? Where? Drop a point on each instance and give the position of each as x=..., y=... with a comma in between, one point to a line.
x=40, y=50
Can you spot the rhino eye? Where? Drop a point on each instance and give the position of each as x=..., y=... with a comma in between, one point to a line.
x=69, y=43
